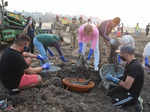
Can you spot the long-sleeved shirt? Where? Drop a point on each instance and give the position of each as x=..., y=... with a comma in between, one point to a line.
x=47, y=39
x=50, y=40
x=105, y=29
x=85, y=39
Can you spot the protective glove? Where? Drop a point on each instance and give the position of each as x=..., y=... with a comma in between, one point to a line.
x=50, y=52
x=63, y=59
x=118, y=58
x=46, y=66
x=90, y=54
x=40, y=57
x=111, y=78
x=80, y=47
x=146, y=61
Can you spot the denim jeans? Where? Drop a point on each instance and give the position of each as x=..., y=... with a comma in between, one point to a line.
x=40, y=48
x=96, y=53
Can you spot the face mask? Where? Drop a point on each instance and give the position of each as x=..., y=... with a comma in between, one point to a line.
x=122, y=58
x=26, y=49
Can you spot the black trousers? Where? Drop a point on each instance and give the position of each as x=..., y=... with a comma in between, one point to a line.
x=121, y=97
x=31, y=46
x=147, y=32
x=57, y=46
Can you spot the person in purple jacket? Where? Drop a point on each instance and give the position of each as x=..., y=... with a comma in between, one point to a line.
x=105, y=29
x=88, y=33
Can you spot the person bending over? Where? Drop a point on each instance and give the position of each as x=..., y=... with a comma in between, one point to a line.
x=43, y=41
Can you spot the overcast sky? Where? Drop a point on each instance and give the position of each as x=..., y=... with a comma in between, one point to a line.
x=130, y=11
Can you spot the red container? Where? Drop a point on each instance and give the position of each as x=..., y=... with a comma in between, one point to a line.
x=118, y=34
x=77, y=87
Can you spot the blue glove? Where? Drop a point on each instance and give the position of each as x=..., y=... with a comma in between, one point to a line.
x=146, y=61
x=118, y=58
x=90, y=54
x=50, y=52
x=46, y=66
x=111, y=78
x=63, y=59
x=40, y=57
x=80, y=47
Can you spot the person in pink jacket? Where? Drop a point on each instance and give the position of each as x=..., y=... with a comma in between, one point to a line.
x=88, y=33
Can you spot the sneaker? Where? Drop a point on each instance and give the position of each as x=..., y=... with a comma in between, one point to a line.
x=140, y=100
x=5, y=107
x=3, y=104
x=139, y=106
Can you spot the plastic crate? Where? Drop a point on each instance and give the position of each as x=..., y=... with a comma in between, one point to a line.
x=8, y=35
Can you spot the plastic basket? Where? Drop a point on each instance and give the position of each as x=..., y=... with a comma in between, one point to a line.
x=77, y=87
x=110, y=68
